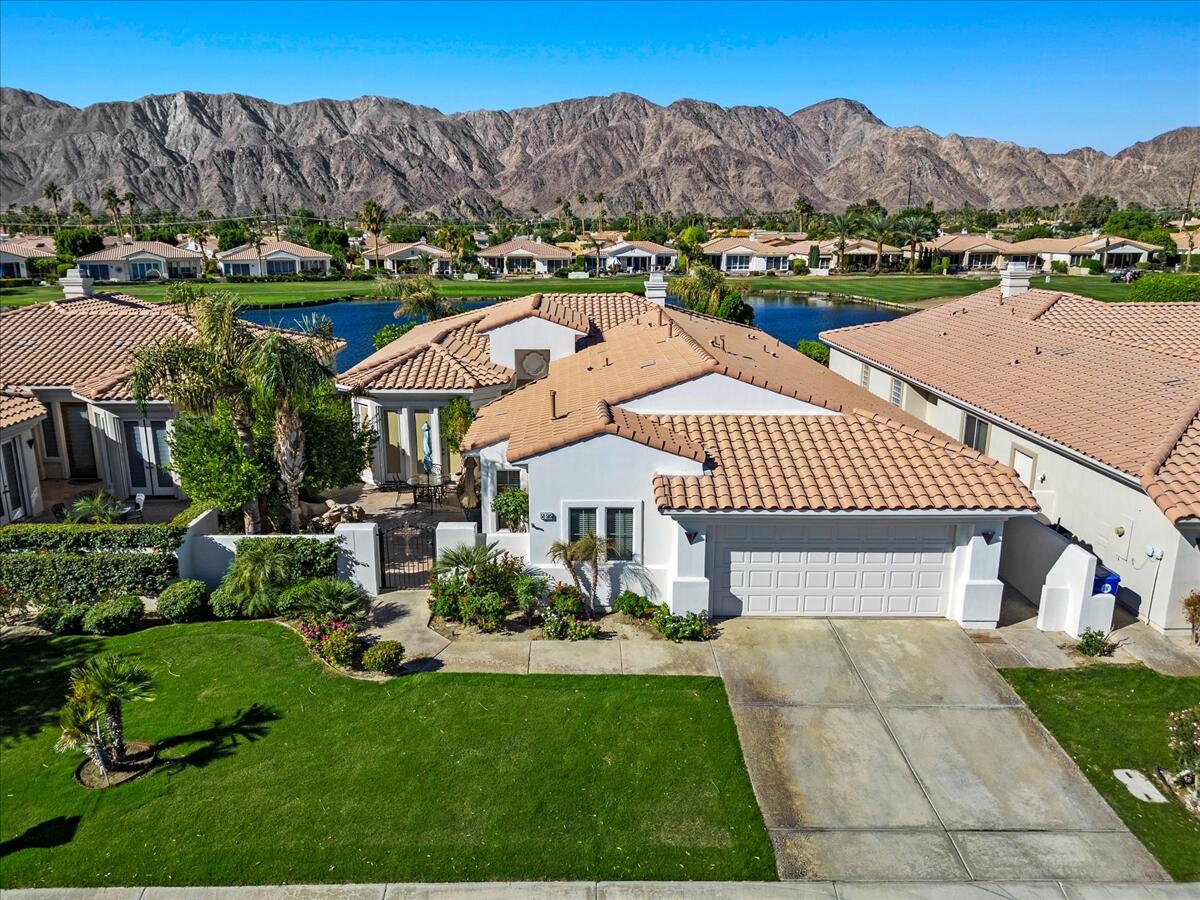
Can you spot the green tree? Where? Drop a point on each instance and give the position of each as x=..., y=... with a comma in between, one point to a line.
x=456, y=418
x=75, y=242
x=207, y=457
x=844, y=226
x=1030, y=232
x=337, y=443
x=912, y=229
x=1091, y=211
x=879, y=227
x=418, y=298
x=129, y=198
x=112, y=681
x=1129, y=222
x=814, y=350
x=113, y=204
x=389, y=333
x=707, y=291
x=690, y=243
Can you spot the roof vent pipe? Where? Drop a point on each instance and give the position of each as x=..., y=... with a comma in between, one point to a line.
x=554, y=404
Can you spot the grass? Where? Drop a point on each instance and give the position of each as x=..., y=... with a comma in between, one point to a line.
x=276, y=770
x=1115, y=717
x=1098, y=287
x=892, y=288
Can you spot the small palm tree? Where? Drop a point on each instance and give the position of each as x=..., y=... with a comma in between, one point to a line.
x=844, y=226
x=569, y=555
x=466, y=560
x=81, y=730
x=913, y=229
x=100, y=508
x=110, y=682
x=259, y=569
x=879, y=227
x=592, y=550
x=419, y=299
x=54, y=194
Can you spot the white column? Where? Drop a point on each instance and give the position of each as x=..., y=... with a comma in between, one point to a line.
x=435, y=428
x=688, y=584
x=407, y=446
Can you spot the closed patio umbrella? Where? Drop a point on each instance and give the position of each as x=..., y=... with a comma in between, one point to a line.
x=427, y=450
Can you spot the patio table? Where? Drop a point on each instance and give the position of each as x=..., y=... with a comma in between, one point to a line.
x=427, y=487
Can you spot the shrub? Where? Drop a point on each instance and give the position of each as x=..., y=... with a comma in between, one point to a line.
x=1094, y=642
x=384, y=656
x=114, y=616
x=1091, y=266
x=390, y=332
x=1183, y=738
x=306, y=557
x=689, y=627
x=486, y=611
x=814, y=350
x=80, y=577
x=193, y=511
x=799, y=267
x=446, y=593
x=1058, y=266
x=633, y=605
x=343, y=648
x=555, y=625
x=529, y=589
x=512, y=506
x=182, y=601
x=262, y=567
x=225, y=603
x=341, y=599
x=1191, y=614
x=67, y=537
x=581, y=630
x=1163, y=287
x=62, y=618
x=566, y=600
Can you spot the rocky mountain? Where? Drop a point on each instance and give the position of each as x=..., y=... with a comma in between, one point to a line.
x=223, y=152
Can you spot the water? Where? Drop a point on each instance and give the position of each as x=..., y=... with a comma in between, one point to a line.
x=786, y=316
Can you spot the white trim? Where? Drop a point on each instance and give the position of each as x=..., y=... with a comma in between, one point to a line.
x=601, y=506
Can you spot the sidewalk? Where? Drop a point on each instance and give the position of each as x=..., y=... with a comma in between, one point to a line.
x=639, y=890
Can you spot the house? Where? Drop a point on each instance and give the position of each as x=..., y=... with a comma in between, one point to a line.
x=1187, y=243
x=975, y=252
x=636, y=257
x=1096, y=406
x=17, y=254
x=141, y=261
x=522, y=256
x=405, y=257
x=1111, y=251
x=21, y=415
x=732, y=474
x=740, y=256
x=273, y=258
x=860, y=254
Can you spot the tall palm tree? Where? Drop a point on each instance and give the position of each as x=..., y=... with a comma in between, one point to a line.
x=581, y=199
x=879, y=227
x=845, y=226
x=130, y=199
x=257, y=241
x=54, y=194
x=81, y=213
x=112, y=203
x=598, y=199
x=373, y=218
x=913, y=229
x=81, y=730
x=206, y=374
x=112, y=681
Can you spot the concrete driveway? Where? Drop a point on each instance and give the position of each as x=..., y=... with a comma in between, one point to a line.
x=892, y=750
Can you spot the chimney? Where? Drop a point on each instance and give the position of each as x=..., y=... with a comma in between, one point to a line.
x=76, y=284
x=1014, y=280
x=656, y=289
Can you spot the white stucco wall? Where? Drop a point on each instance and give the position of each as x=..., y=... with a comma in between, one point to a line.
x=721, y=394
x=1090, y=502
x=530, y=333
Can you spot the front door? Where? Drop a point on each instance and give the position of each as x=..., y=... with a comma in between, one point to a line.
x=12, y=483
x=149, y=456
x=80, y=453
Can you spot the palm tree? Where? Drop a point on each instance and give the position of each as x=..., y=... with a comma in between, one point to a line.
x=581, y=199
x=591, y=551
x=130, y=198
x=373, y=218
x=257, y=241
x=287, y=371
x=206, y=374
x=598, y=199
x=569, y=555
x=81, y=212
x=879, y=227
x=466, y=560
x=845, y=226
x=81, y=730
x=110, y=682
x=702, y=289
x=418, y=297
x=258, y=570
x=54, y=194
x=913, y=229
x=113, y=204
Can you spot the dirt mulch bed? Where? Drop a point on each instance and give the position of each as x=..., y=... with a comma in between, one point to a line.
x=613, y=626
x=139, y=759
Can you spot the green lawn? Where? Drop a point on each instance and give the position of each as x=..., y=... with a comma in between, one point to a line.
x=894, y=288
x=1114, y=717
x=275, y=770
x=1098, y=287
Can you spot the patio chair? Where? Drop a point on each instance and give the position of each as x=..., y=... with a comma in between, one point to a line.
x=139, y=503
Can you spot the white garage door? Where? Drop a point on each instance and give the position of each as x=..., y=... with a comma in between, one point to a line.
x=830, y=569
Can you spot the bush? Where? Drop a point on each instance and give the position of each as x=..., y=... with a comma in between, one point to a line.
x=560, y=273
x=566, y=600
x=263, y=567
x=446, y=592
x=384, y=656
x=485, y=611
x=183, y=601
x=633, y=605
x=689, y=627
x=114, y=616
x=306, y=557
x=390, y=332
x=1091, y=266
x=1183, y=739
x=814, y=350
x=1162, y=287
x=225, y=603
x=555, y=625
x=79, y=578
x=1094, y=642
x=1058, y=267
x=1191, y=614
x=512, y=506
x=799, y=267
x=193, y=511
x=72, y=538
x=65, y=618
x=343, y=648
x=582, y=630
x=330, y=596
x=529, y=589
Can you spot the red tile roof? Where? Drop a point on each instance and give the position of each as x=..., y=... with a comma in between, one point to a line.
x=18, y=407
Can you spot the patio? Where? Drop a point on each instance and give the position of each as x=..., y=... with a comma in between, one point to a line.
x=157, y=511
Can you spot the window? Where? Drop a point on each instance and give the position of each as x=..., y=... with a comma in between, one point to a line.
x=507, y=479
x=864, y=377
x=581, y=521
x=618, y=528
x=897, y=395
x=95, y=271
x=49, y=438
x=975, y=433
x=141, y=270
x=737, y=263
x=236, y=268
x=281, y=267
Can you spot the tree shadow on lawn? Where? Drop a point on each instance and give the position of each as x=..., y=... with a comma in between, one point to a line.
x=219, y=740
x=34, y=674
x=51, y=833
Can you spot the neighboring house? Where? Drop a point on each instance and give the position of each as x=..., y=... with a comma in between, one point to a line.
x=636, y=257
x=740, y=256
x=17, y=254
x=1095, y=405
x=21, y=414
x=273, y=258
x=1111, y=251
x=141, y=261
x=525, y=257
x=1187, y=243
x=859, y=253
x=973, y=252
x=732, y=474
x=826, y=252
x=408, y=256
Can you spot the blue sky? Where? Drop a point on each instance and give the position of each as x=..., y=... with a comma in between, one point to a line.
x=1052, y=75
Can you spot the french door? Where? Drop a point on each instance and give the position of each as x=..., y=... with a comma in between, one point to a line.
x=149, y=456
x=12, y=483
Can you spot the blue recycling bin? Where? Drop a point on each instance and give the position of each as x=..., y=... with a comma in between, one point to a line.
x=1107, y=581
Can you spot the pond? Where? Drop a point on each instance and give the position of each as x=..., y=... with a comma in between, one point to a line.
x=787, y=316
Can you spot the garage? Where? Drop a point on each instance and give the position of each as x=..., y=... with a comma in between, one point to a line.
x=830, y=569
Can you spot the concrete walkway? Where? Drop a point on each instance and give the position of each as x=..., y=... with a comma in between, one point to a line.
x=638, y=890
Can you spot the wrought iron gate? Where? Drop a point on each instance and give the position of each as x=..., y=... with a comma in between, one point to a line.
x=406, y=556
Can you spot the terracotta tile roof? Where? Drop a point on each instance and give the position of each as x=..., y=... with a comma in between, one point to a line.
x=18, y=407
x=1081, y=244
x=122, y=251
x=26, y=249
x=656, y=350
x=386, y=251
x=523, y=247
x=853, y=462
x=1172, y=476
x=1109, y=382
x=724, y=245
x=1183, y=241
x=462, y=360
x=961, y=243
x=249, y=253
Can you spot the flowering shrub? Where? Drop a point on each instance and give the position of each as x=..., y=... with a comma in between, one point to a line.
x=486, y=611
x=689, y=627
x=634, y=605
x=343, y=649
x=566, y=600
x=1183, y=737
x=582, y=630
x=555, y=625
x=334, y=640
x=446, y=595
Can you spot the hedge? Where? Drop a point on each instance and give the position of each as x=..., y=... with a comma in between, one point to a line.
x=16, y=282
x=189, y=514
x=1165, y=288
x=82, y=578
x=68, y=538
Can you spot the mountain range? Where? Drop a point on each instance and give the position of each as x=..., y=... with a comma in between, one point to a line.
x=224, y=151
